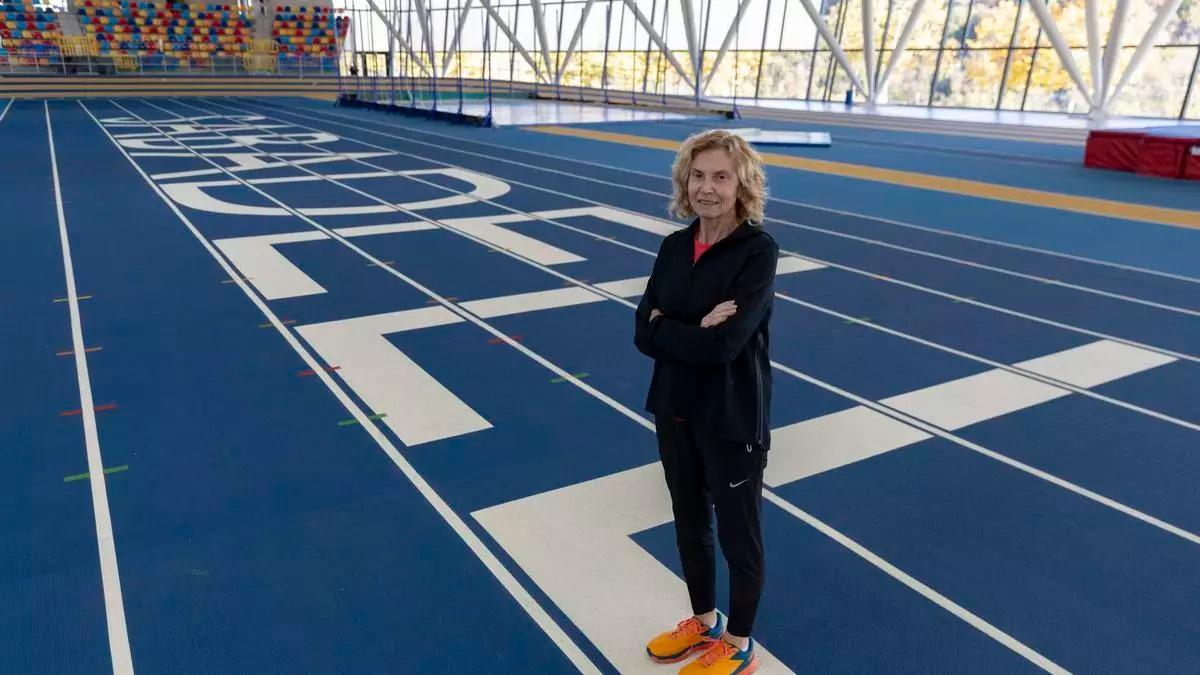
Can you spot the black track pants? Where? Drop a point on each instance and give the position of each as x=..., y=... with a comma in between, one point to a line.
x=704, y=472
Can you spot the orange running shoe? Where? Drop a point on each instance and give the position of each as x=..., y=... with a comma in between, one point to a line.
x=723, y=658
x=689, y=637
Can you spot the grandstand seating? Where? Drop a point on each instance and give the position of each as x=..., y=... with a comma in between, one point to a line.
x=308, y=30
x=29, y=32
x=171, y=32
x=169, y=28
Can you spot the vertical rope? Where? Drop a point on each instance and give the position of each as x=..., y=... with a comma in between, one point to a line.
x=512, y=47
x=412, y=79
x=458, y=54
x=372, y=54
x=391, y=57
x=427, y=48
x=737, y=52
x=621, y=38
x=558, y=52
x=338, y=50
x=661, y=75
x=537, y=63
x=607, y=34
x=704, y=50
x=762, y=49
x=487, y=31
x=649, y=41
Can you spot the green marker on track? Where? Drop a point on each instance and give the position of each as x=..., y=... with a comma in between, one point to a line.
x=82, y=476
x=560, y=380
x=351, y=421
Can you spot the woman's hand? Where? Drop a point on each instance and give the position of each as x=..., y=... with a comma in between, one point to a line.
x=719, y=314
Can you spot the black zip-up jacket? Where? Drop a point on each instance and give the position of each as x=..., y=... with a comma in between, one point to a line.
x=719, y=378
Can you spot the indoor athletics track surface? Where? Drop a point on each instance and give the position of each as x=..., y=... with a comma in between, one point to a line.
x=296, y=388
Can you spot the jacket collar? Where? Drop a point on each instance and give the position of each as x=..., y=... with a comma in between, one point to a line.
x=743, y=230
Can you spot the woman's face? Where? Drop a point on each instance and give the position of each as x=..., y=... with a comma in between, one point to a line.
x=713, y=184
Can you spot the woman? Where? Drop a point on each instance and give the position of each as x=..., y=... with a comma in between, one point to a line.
x=703, y=319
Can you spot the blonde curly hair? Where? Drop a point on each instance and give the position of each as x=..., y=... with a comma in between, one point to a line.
x=748, y=165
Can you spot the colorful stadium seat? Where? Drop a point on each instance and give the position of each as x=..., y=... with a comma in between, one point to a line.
x=310, y=30
x=30, y=33
x=171, y=28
